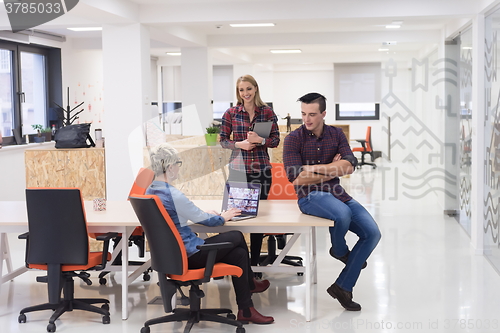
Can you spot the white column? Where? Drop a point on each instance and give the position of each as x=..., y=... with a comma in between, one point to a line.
x=478, y=147
x=127, y=84
x=196, y=73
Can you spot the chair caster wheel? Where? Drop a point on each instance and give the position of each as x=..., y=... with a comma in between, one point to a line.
x=105, y=306
x=231, y=316
x=22, y=318
x=146, y=276
x=106, y=320
x=145, y=329
x=240, y=330
x=51, y=327
x=102, y=281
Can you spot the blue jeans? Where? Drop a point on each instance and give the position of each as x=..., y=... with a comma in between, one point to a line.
x=349, y=215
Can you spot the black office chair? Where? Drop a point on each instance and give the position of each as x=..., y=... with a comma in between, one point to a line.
x=169, y=259
x=58, y=242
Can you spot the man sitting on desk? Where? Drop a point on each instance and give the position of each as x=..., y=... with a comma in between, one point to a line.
x=315, y=156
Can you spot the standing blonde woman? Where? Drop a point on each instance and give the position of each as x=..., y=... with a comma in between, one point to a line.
x=249, y=159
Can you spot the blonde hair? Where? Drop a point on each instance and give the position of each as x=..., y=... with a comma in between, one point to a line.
x=249, y=78
x=162, y=156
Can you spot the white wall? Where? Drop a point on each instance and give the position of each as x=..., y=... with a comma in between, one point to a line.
x=171, y=79
x=224, y=87
x=12, y=174
x=82, y=73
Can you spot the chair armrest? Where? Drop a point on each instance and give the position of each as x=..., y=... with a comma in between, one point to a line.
x=363, y=143
x=212, y=248
x=105, y=238
x=24, y=236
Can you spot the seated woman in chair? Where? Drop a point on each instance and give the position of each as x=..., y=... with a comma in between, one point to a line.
x=166, y=163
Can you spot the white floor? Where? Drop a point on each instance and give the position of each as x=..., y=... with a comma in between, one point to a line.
x=422, y=277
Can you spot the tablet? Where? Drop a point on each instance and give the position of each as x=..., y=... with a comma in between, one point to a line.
x=263, y=129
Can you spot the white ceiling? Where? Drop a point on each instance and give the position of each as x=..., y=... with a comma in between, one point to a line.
x=326, y=31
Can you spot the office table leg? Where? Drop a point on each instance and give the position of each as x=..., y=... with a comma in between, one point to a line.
x=124, y=242
x=5, y=256
x=315, y=262
x=309, y=279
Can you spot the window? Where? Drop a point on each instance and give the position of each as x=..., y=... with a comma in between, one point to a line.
x=357, y=111
x=25, y=85
x=357, y=91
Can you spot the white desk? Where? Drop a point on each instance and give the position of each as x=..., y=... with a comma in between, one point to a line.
x=278, y=216
x=119, y=217
x=275, y=216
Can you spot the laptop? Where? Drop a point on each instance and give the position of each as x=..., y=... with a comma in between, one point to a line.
x=244, y=196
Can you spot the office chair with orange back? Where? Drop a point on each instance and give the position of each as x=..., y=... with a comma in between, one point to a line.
x=169, y=259
x=142, y=181
x=58, y=242
x=366, y=149
x=281, y=189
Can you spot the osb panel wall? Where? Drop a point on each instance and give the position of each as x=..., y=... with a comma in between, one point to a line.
x=86, y=170
x=82, y=168
x=44, y=168
x=204, y=169
x=277, y=153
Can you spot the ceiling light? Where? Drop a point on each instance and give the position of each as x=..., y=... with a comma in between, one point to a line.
x=382, y=50
x=86, y=29
x=174, y=53
x=393, y=26
x=466, y=47
x=252, y=25
x=286, y=51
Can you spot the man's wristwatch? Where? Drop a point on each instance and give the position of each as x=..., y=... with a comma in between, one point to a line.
x=263, y=142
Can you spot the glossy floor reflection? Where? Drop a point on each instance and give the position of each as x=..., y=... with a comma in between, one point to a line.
x=423, y=277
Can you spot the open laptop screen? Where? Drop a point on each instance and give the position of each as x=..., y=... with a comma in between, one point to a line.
x=244, y=196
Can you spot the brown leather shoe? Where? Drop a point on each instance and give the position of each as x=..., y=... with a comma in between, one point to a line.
x=255, y=317
x=344, y=297
x=260, y=286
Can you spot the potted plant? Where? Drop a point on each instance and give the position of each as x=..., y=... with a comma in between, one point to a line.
x=211, y=136
x=47, y=133
x=38, y=138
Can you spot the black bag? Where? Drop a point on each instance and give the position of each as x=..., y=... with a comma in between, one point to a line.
x=74, y=136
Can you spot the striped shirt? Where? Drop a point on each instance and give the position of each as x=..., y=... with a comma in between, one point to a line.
x=237, y=121
x=302, y=147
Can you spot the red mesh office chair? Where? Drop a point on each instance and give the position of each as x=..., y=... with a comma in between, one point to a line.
x=142, y=181
x=169, y=259
x=366, y=149
x=58, y=242
x=281, y=189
